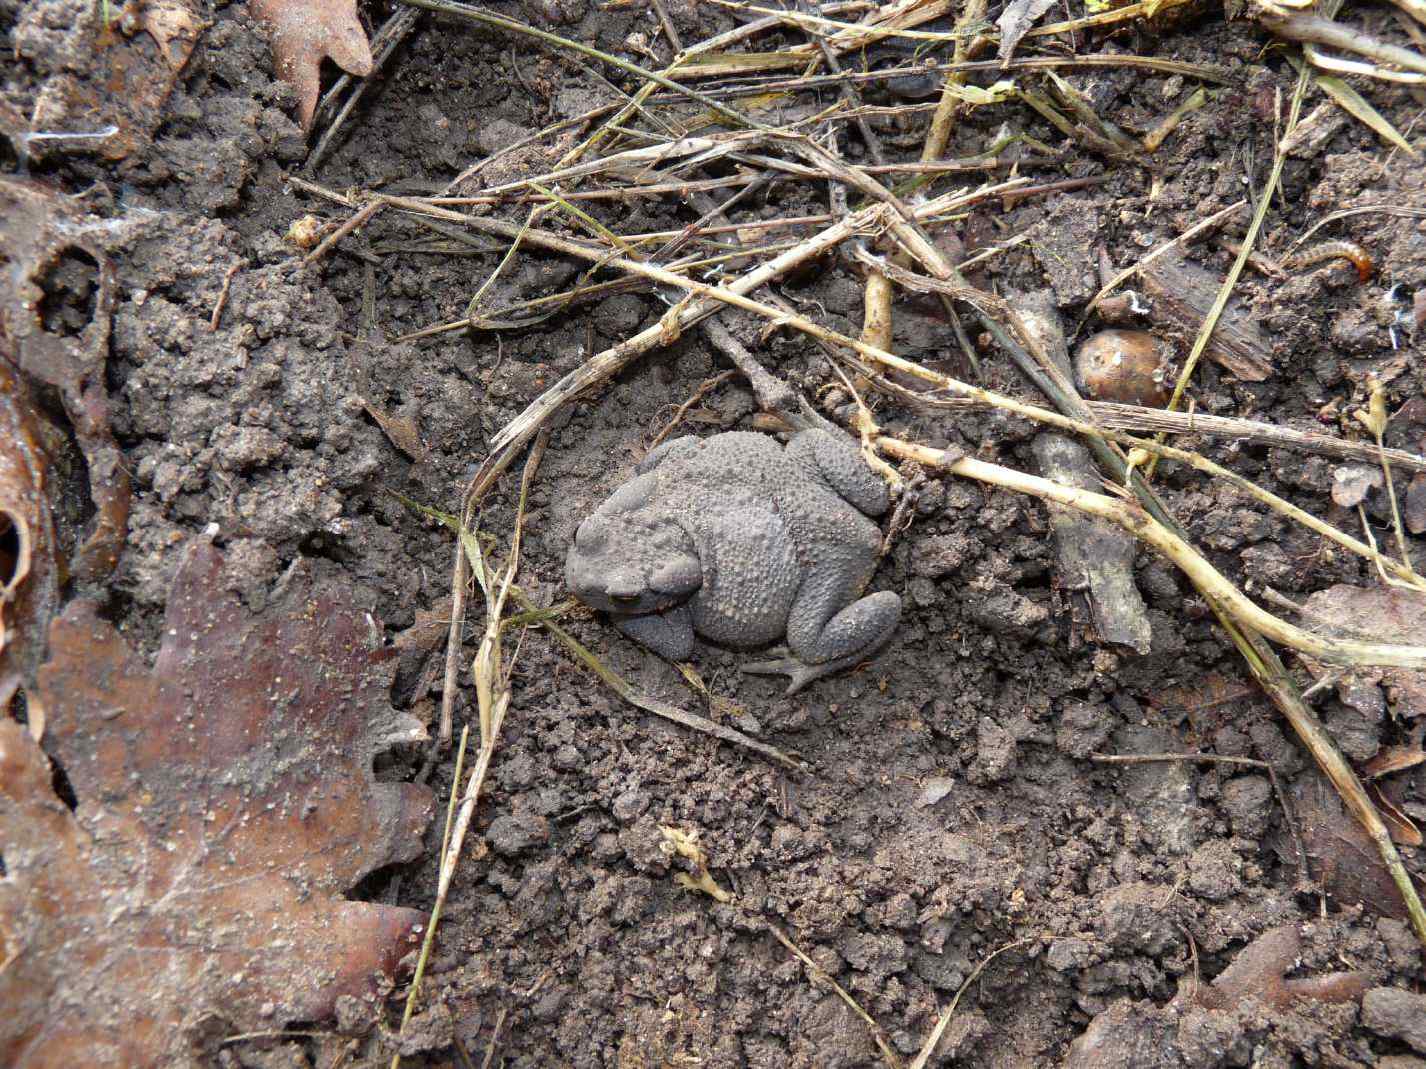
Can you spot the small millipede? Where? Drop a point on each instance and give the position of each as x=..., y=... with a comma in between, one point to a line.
x=1331, y=250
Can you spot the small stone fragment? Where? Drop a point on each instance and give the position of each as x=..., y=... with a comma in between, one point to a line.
x=1396, y=1014
x=1352, y=482
x=513, y=833
x=935, y=788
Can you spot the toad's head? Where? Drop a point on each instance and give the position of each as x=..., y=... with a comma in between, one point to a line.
x=630, y=557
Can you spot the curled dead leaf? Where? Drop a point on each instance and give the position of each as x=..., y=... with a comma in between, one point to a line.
x=29, y=588
x=1402, y=828
x=56, y=304
x=400, y=429
x=303, y=33
x=1393, y=759
x=226, y=800
x=1016, y=20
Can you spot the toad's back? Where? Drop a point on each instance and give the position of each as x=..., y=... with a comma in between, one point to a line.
x=739, y=469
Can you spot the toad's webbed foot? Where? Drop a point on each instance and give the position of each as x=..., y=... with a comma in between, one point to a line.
x=800, y=674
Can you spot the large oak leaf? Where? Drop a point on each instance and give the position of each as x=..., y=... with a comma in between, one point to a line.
x=226, y=800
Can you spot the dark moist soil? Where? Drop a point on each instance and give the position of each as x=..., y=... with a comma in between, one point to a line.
x=954, y=808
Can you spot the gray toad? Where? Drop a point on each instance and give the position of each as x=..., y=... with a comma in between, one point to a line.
x=743, y=541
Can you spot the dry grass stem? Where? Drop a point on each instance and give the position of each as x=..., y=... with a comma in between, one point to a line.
x=1247, y=623
x=938, y=135
x=491, y=675
x=1194, y=460
x=820, y=976
x=639, y=699
x=707, y=299
x=1315, y=30
x=429, y=939
x=1210, y=321
x=706, y=387
x=1209, y=581
x=1134, y=418
x=609, y=362
x=924, y=1054
x=383, y=46
x=1192, y=232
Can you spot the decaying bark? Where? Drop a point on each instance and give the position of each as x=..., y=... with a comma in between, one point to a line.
x=1096, y=558
x=1180, y=294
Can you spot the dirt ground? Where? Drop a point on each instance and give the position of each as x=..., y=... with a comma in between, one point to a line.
x=954, y=807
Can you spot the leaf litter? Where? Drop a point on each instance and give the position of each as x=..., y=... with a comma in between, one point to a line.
x=29, y=587
x=1344, y=862
x=1207, y=704
x=52, y=244
x=109, y=97
x=225, y=803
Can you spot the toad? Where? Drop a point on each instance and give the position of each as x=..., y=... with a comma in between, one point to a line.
x=743, y=541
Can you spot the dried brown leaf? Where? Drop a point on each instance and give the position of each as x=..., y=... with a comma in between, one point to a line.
x=303, y=33
x=1393, y=759
x=1402, y=828
x=1015, y=22
x=400, y=430
x=428, y=629
x=29, y=588
x=226, y=801
x=1344, y=860
x=1209, y=700
x=1391, y=612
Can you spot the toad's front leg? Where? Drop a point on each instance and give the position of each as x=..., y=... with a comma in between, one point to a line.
x=668, y=633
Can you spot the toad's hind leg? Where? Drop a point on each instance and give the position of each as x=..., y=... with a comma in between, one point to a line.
x=835, y=460
x=826, y=635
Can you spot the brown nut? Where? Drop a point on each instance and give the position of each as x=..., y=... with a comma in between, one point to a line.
x=1128, y=366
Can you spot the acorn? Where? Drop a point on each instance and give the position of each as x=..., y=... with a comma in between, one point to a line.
x=1128, y=366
